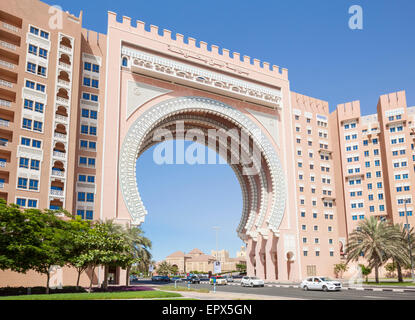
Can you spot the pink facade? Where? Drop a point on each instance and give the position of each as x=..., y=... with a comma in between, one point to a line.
x=105, y=96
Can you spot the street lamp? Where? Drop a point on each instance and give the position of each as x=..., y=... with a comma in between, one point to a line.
x=409, y=242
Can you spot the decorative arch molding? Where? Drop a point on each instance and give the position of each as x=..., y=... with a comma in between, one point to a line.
x=135, y=141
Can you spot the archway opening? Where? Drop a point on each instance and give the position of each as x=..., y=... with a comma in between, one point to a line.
x=186, y=202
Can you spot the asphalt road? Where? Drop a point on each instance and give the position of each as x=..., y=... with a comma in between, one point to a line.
x=300, y=294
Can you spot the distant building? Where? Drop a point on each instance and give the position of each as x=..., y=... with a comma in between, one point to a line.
x=196, y=260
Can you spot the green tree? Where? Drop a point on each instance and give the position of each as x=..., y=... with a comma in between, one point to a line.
x=50, y=247
x=241, y=267
x=164, y=268
x=402, y=260
x=376, y=241
x=139, y=247
x=339, y=269
x=365, y=271
x=80, y=241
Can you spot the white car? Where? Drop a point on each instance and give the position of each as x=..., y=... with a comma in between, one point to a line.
x=321, y=283
x=252, y=282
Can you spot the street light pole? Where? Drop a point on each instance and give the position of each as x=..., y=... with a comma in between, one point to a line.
x=409, y=242
x=217, y=231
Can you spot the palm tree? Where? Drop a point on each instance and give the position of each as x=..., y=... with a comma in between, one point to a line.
x=164, y=268
x=403, y=259
x=139, y=246
x=376, y=241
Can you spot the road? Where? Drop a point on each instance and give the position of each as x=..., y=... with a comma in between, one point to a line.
x=300, y=294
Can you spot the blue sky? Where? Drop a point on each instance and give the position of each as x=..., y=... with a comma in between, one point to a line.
x=325, y=59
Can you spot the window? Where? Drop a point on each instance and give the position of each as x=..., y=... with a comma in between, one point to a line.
x=44, y=34
x=34, y=31
x=81, y=213
x=36, y=144
x=30, y=84
x=83, y=160
x=39, y=107
x=89, y=215
x=37, y=126
x=81, y=196
x=91, y=162
x=31, y=67
x=24, y=163
x=28, y=104
x=33, y=49
x=22, y=183
x=84, y=144
x=91, y=179
x=87, y=82
x=93, y=114
x=90, y=197
x=25, y=142
x=85, y=113
x=32, y=204
x=40, y=87
x=95, y=83
x=34, y=185
x=41, y=71
x=84, y=129
x=92, y=145
x=34, y=164
x=43, y=53
x=93, y=131
x=125, y=64
x=27, y=124
x=21, y=202
x=87, y=66
x=95, y=68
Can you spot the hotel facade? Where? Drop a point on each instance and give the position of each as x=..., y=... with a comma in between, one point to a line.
x=77, y=108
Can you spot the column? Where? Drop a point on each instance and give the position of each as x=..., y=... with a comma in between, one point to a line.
x=259, y=250
x=250, y=256
x=270, y=258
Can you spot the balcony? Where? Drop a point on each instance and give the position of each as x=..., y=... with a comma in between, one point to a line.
x=10, y=22
x=58, y=173
x=7, y=45
x=5, y=103
x=60, y=136
x=60, y=155
x=7, y=65
x=62, y=119
x=57, y=193
x=65, y=45
x=4, y=123
x=6, y=84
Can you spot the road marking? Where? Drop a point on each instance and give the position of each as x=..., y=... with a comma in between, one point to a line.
x=374, y=297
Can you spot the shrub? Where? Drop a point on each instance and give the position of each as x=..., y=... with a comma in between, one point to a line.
x=18, y=291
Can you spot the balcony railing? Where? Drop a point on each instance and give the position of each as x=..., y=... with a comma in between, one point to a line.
x=4, y=123
x=58, y=193
x=59, y=154
x=64, y=83
x=61, y=118
x=65, y=48
x=8, y=45
x=58, y=173
x=60, y=135
x=62, y=100
x=6, y=64
x=4, y=143
x=1, y=185
x=6, y=83
x=65, y=65
x=3, y=164
x=10, y=27
x=5, y=103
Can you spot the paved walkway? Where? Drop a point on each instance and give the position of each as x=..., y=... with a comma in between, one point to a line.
x=227, y=296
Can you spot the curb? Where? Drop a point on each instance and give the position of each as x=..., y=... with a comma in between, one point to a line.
x=343, y=289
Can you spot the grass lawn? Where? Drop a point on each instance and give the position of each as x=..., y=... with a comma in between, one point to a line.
x=389, y=283
x=98, y=296
x=179, y=288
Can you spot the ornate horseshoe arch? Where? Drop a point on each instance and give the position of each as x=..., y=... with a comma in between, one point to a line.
x=255, y=197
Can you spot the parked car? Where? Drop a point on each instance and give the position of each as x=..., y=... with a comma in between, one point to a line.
x=229, y=278
x=219, y=280
x=160, y=279
x=252, y=282
x=321, y=283
x=204, y=277
x=178, y=279
x=193, y=279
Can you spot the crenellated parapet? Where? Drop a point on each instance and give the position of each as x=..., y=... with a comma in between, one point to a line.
x=199, y=51
x=348, y=111
x=307, y=104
